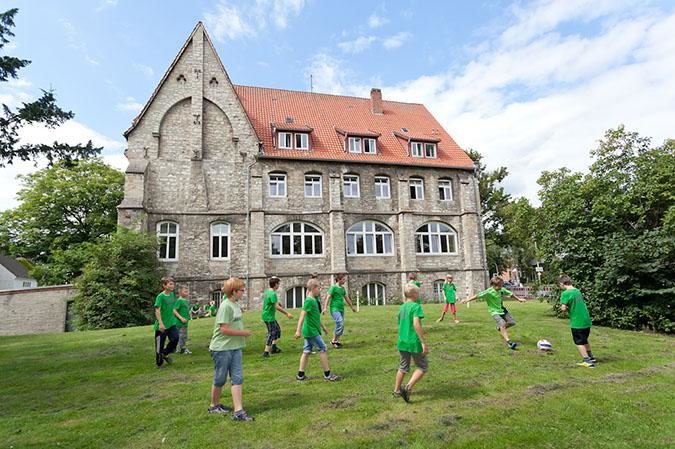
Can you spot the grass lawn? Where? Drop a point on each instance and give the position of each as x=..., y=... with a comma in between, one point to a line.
x=101, y=389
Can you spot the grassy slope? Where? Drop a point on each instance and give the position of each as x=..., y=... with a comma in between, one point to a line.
x=101, y=389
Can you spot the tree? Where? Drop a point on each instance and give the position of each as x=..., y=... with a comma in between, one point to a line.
x=61, y=206
x=119, y=282
x=43, y=111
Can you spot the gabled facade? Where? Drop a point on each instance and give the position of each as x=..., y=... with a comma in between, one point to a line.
x=13, y=275
x=253, y=182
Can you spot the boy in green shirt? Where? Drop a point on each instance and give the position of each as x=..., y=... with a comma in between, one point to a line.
x=183, y=309
x=572, y=300
x=270, y=306
x=336, y=297
x=211, y=309
x=412, y=279
x=309, y=327
x=166, y=318
x=411, y=342
x=449, y=289
x=226, y=346
x=494, y=298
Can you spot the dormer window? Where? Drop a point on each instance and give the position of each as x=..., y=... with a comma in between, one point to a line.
x=301, y=141
x=416, y=149
x=430, y=150
x=354, y=144
x=423, y=149
x=287, y=140
x=369, y=146
x=366, y=145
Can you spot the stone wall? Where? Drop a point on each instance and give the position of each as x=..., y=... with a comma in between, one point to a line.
x=35, y=310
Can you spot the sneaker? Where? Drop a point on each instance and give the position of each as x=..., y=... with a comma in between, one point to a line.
x=299, y=377
x=592, y=360
x=276, y=350
x=219, y=409
x=405, y=393
x=187, y=351
x=395, y=394
x=456, y=321
x=439, y=320
x=335, y=344
x=241, y=415
x=167, y=359
x=512, y=344
x=332, y=378
x=338, y=344
x=266, y=355
x=586, y=364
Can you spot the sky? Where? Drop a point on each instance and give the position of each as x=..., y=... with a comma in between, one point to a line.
x=531, y=85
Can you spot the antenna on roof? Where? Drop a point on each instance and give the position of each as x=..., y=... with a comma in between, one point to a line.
x=311, y=83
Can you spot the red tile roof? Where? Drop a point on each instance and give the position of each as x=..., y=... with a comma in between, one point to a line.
x=330, y=116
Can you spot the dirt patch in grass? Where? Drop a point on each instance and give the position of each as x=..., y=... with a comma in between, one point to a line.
x=391, y=424
x=449, y=420
x=342, y=403
x=540, y=389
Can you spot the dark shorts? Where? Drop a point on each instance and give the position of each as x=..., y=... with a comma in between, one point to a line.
x=419, y=358
x=580, y=336
x=273, y=332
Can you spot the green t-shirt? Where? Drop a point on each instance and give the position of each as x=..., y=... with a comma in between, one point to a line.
x=212, y=309
x=311, y=326
x=337, y=298
x=183, y=309
x=579, y=317
x=449, y=290
x=166, y=304
x=408, y=340
x=269, y=305
x=493, y=299
x=228, y=313
x=195, y=307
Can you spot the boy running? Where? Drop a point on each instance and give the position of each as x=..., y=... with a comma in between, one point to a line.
x=166, y=318
x=411, y=342
x=412, y=279
x=270, y=306
x=336, y=297
x=572, y=300
x=183, y=309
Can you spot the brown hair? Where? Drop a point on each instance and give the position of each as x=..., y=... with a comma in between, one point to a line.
x=496, y=281
x=412, y=276
x=274, y=282
x=166, y=280
x=232, y=284
x=564, y=279
x=339, y=276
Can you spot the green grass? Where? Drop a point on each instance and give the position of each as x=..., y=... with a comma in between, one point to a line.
x=101, y=389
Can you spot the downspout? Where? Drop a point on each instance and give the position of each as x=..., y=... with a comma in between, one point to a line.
x=248, y=225
x=481, y=233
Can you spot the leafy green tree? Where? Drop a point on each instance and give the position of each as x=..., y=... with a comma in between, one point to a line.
x=521, y=224
x=61, y=206
x=119, y=283
x=43, y=111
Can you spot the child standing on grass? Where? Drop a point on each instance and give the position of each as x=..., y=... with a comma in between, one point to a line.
x=411, y=343
x=166, y=318
x=226, y=347
x=183, y=309
x=270, y=306
x=412, y=279
x=572, y=300
x=211, y=309
x=449, y=289
x=309, y=327
x=495, y=304
x=336, y=297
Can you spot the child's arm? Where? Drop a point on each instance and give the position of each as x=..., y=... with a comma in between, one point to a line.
x=349, y=301
x=282, y=310
x=298, y=330
x=177, y=315
x=325, y=304
x=464, y=301
x=227, y=330
x=563, y=307
x=513, y=295
x=420, y=333
x=158, y=315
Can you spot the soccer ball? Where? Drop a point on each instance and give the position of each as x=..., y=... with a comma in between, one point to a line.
x=544, y=345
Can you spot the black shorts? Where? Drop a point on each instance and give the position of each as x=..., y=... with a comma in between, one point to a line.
x=580, y=336
x=273, y=332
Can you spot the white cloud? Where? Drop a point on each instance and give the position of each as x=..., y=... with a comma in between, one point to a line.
x=396, y=40
x=357, y=45
x=130, y=104
x=72, y=35
x=235, y=20
x=331, y=75
x=146, y=70
x=375, y=21
x=106, y=4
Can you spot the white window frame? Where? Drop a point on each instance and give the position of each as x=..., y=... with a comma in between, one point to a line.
x=281, y=138
x=354, y=144
x=445, y=190
x=167, y=236
x=304, y=141
x=430, y=146
x=416, y=149
x=220, y=231
x=278, y=180
x=292, y=294
x=368, y=234
x=369, y=146
x=314, y=182
x=380, y=293
x=353, y=183
x=435, y=234
x=416, y=185
x=296, y=231
x=378, y=183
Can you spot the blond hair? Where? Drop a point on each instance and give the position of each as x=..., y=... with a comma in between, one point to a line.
x=312, y=284
x=232, y=284
x=411, y=290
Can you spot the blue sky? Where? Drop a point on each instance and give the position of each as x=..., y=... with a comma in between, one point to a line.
x=530, y=84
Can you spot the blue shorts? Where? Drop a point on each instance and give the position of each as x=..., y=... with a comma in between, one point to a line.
x=316, y=342
x=339, y=318
x=227, y=362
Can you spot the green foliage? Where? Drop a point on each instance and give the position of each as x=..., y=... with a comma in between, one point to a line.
x=43, y=111
x=64, y=266
x=119, y=283
x=62, y=206
x=612, y=230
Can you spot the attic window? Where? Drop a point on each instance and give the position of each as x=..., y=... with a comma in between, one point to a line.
x=287, y=140
x=423, y=149
x=289, y=120
x=405, y=130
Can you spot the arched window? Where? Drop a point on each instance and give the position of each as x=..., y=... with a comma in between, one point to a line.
x=167, y=234
x=370, y=238
x=435, y=238
x=296, y=239
x=375, y=293
x=220, y=241
x=295, y=297
x=439, y=294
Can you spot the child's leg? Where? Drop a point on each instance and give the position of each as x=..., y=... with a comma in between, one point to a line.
x=339, y=325
x=422, y=366
x=323, y=357
x=236, y=397
x=160, y=338
x=220, y=368
x=399, y=380
x=403, y=368
x=215, y=395
x=582, y=351
x=182, y=338
x=303, y=361
x=268, y=338
x=416, y=376
x=172, y=334
x=445, y=310
x=505, y=334
x=236, y=379
x=453, y=309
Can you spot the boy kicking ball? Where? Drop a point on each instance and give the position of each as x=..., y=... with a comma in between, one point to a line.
x=571, y=300
x=411, y=343
x=495, y=304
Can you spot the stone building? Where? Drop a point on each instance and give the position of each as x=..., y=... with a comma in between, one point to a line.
x=253, y=182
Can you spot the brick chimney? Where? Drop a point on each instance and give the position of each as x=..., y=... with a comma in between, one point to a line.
x=376, y=101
